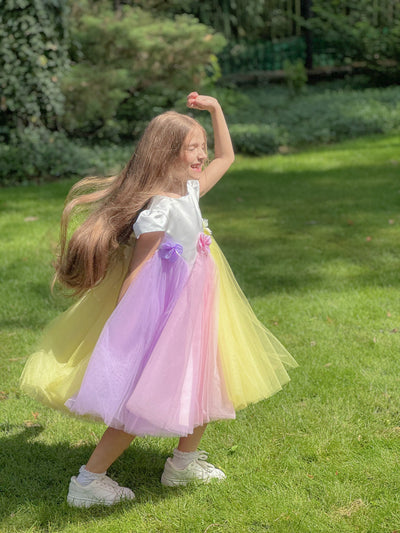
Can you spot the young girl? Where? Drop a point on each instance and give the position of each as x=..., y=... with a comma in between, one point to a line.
x=163, y=340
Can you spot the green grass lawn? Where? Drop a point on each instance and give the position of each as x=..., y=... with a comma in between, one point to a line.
x=314, y=240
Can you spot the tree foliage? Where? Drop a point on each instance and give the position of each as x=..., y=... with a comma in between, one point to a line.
x=33, y=59
x=347, y=30
x=130, y=64
x=358, y=30
x=235, y=19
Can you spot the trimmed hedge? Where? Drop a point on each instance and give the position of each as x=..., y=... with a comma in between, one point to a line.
x=36, y=155
x=273, y=117
x=257, y=139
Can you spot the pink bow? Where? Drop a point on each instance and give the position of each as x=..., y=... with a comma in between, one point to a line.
x=203, y=244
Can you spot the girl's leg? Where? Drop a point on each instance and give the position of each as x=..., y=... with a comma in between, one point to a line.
x=191, y=442
x=92, y=486
x=110, y=447
x=187, y=464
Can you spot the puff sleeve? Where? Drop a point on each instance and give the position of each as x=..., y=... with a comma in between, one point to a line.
x=155, y=218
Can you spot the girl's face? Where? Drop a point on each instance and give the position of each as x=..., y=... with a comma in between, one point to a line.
x=193, y=154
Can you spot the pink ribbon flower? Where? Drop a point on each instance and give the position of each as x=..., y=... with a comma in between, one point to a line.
x=203, y=244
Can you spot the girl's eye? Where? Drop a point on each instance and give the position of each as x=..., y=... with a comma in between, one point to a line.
x=192, y=148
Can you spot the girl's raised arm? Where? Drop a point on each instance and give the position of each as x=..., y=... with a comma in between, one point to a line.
x=223, y=149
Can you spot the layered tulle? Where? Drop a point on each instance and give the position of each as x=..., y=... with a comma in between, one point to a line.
x=253, y=360
x=183, y=347
x=155, y=368
x=55, y=371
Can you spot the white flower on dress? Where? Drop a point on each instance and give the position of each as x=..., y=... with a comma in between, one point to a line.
x=206, y=229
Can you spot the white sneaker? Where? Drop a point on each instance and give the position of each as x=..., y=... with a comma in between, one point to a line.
x=102, y=491
x=198, y=470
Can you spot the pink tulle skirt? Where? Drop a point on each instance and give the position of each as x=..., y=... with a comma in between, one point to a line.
x=155, y=369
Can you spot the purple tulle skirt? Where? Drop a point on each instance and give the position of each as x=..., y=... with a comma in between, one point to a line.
x=155, y=369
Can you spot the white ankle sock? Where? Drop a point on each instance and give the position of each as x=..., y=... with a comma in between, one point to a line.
x=181, y=460
x=85, y=477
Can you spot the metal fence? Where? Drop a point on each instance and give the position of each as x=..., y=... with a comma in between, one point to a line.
x=268, y=55
x=262, y=35
x=280, y=19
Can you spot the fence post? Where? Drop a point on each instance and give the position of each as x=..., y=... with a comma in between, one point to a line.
x=307, y=15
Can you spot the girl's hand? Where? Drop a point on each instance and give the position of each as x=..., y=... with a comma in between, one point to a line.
x=202, y=102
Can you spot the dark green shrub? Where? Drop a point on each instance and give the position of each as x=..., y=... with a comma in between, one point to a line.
x=35, y=154
x=131, y=65
x=333, y=116
x=256, y=139
x=296, y=75
x=316, y=116
x=33, y=58
x=361, y=31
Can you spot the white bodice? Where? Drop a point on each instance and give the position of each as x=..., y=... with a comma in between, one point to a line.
x=180, y=219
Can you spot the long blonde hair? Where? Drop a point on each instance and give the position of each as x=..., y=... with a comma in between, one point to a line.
x=115, y=202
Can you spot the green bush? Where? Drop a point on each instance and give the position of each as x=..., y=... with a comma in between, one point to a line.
x=35, y=154
x=295, y=75
x=256, y=139
x=33, y=58
x=360, y=31
x=316, y=116
x=131, y=65
x=331, y=116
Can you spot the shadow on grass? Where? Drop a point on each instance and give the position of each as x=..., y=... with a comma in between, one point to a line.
x=307, y=229
x=35, y=478
x=33, y=300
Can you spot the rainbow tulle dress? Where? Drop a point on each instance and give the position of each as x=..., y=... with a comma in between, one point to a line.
x=182, y=347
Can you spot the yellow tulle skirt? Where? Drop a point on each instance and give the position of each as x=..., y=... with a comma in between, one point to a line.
x=253, y=362
x=55, y=371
